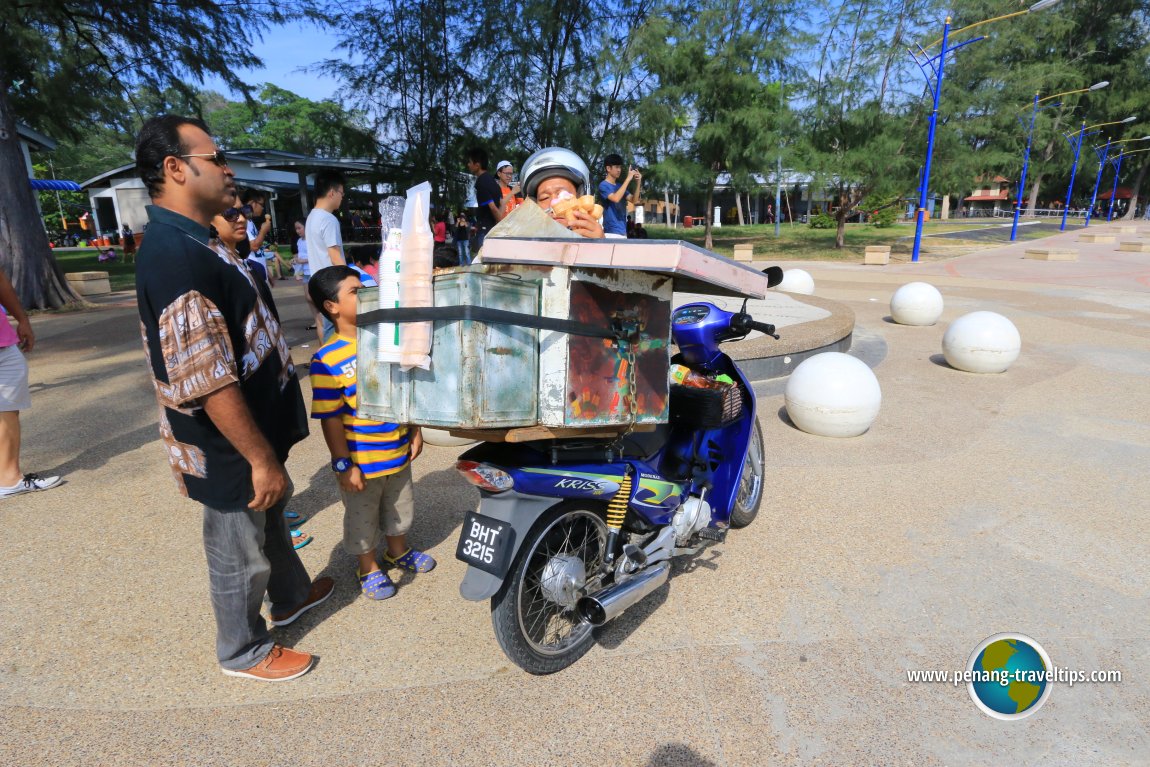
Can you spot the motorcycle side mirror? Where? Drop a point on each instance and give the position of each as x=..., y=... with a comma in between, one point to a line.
x=774, y=275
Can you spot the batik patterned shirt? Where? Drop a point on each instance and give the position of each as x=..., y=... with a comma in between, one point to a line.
x=207, y=324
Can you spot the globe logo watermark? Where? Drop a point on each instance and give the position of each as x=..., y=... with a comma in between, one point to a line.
x=1009, y=676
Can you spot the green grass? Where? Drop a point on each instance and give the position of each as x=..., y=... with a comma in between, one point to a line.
x=798, y=242
x=121, y=275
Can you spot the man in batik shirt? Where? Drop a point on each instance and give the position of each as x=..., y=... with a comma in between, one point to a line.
x=230, y=402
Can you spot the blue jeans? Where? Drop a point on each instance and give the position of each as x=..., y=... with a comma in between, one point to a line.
x=462, y=249
x=249, y=554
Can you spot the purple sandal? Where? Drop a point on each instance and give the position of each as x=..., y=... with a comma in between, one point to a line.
x=413, y=561
x=376, y=585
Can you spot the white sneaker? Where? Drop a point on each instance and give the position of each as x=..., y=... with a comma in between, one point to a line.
x=30, y=483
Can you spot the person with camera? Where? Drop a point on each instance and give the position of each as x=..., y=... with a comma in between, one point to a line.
x=614, y=195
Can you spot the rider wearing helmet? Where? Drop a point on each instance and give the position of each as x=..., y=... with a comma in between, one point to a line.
x=552, y=171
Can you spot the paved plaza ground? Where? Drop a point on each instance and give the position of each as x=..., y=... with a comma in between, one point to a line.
x=976, y=504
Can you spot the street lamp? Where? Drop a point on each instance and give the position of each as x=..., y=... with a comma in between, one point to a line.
x=1117, y=162
x=1076, y=142
x=1103, y=156
x=936, y=64
x=1030, y=135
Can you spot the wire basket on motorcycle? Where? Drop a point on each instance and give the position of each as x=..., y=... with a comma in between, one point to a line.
x=700, y=401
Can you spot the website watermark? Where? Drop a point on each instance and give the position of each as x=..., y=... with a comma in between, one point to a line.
x=1010, y=676
x=1059, y=674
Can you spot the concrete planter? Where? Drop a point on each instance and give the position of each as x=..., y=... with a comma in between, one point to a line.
x=90, y=283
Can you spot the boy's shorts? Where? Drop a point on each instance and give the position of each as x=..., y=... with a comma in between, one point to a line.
x=14, y=394
x=385, y=506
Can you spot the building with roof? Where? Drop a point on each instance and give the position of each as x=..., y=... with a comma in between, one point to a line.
x=990, y=198
x=800, y=192
x=118, y=196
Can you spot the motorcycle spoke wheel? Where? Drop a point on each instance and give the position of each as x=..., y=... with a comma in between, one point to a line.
x=534, y=613
x=750, y=493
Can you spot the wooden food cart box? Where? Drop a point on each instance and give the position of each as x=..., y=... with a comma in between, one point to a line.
x=482, y=376
x=496, y=376
x=585, y=382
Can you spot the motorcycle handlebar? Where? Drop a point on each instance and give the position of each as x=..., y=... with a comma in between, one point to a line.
x=744, y=323
x=765, y=328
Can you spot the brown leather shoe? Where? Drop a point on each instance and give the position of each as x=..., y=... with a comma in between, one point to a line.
x=280, y=665
x=321, y=589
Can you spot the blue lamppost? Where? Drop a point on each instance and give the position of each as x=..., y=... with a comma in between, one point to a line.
x=1117, y=163
x=1030, y=136
x=1103, y=155
x=933, y=77
x=1076, y=142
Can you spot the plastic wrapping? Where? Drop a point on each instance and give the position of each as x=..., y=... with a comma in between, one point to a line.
x=391, y=234
x=415, y=272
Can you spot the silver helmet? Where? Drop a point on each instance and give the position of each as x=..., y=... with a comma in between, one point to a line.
x=555, y=161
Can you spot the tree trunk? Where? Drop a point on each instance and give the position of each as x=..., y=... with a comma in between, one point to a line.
x=24, y=251
x=841, y=231
x=739, y=206
x=1032, y=201
x=707, y=242
x=667, y=205
x=1134, y=190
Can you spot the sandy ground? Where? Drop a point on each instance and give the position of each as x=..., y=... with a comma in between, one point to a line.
x=976, y=504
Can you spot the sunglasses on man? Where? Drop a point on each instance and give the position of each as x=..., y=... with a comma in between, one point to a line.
x=217, y=157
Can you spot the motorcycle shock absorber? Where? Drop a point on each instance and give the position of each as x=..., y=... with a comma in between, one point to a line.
x=616, y=513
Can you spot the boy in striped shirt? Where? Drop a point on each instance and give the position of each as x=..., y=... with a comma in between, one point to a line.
x=371, y=460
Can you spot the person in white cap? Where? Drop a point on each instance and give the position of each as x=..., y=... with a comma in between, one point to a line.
x=512, y=196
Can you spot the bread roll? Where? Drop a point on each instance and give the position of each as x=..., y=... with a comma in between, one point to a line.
x=561, y=208
x=597, y=212
x=587, y=202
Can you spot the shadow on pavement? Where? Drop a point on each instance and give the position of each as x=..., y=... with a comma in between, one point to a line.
x=95, y=456
x=617, y=631
x=677, y=755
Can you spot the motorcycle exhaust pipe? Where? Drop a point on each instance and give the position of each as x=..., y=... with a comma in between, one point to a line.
x=608, y=604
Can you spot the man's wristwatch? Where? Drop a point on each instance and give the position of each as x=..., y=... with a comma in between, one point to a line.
x=340, y=465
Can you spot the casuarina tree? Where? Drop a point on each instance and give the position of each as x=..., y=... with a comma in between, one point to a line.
x=714, y=104
x=65, y=63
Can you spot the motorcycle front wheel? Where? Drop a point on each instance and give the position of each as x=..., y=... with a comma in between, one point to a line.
x=534, y=613
x=750, y=493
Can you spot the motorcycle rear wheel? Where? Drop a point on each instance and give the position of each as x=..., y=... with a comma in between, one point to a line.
x=538, y=632
x=750, y=494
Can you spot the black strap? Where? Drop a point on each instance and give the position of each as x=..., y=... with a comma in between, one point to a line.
x=484, y=314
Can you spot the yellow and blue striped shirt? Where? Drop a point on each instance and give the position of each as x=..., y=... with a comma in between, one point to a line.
x=377, y=448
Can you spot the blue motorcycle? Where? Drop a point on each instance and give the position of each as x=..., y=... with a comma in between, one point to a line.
x=570, y=533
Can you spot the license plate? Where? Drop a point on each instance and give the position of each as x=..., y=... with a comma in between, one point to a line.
x=485, y=543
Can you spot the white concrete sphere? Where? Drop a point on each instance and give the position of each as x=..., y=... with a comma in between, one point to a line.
x=833, y=395
x=441, y=438
x=797, y=281
x=981, y=342
x=916, y=303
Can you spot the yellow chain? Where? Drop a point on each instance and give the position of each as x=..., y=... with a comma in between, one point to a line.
x=632, y=386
